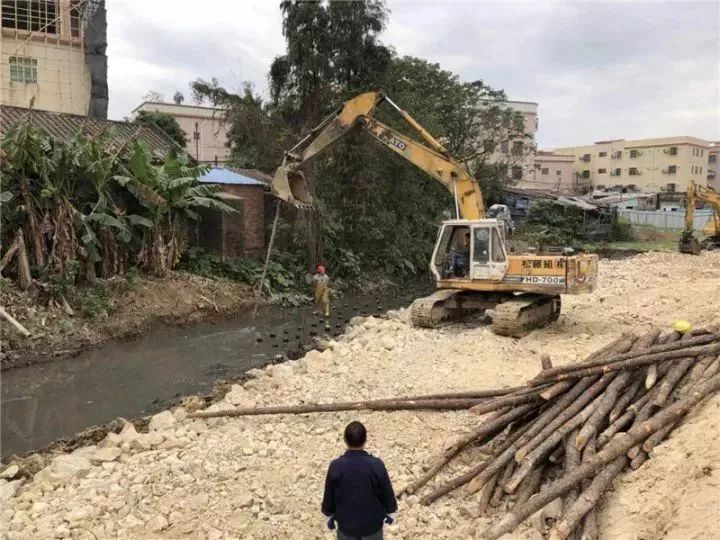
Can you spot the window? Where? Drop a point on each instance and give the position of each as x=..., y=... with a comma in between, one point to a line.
x=481, y=246
x=504, y=147
x=634, y=153
x=75, y=17
x=517, y=148
x=617, y=154
x=702, y=152
x=517, y=173
x=32, y=15
x=545, y=170
x=673, y=151
x=633, y=171
x=602, y=171
x=558, y=173
x=700, y=171
x=672, y=169
x=602, y=154
x=497, y=251
x=616, y=172
x=586, y=157
x=586, y=174
x=23, y=70
x=712, y=158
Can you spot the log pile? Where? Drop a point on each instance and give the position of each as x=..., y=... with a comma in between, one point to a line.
x=568, y=432
x=592, y=420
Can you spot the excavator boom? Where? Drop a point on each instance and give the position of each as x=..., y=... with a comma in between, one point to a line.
x=357, y=114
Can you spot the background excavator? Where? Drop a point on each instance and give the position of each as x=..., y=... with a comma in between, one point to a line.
x=473, y=268
x=711, y=232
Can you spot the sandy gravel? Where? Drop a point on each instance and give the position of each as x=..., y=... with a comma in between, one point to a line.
x=262, y=477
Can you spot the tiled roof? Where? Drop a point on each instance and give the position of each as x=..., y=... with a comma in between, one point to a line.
x=63, y=125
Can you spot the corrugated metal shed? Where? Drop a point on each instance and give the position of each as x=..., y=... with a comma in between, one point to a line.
x=236, y=177
x=64, y=126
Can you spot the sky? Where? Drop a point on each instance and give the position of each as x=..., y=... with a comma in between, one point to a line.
x=598, y=70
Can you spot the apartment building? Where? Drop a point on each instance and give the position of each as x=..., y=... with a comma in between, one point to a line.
x=518, y=154
x=204, y=127
x=552, y=171
x=651, y=165
x=52, y=56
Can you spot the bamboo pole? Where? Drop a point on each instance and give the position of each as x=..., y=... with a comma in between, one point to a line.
x=12, y=320
x=258, y=290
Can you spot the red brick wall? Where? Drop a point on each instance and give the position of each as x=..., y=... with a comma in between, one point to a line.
x=253, y=216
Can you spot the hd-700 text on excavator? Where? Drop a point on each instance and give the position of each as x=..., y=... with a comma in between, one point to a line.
x=473, y=268
x=711, y=232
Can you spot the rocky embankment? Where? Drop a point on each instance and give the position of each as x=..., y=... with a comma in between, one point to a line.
x=262, y=477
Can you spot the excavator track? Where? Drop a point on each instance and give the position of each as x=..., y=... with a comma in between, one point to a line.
x=517, y=317
x=430, y=311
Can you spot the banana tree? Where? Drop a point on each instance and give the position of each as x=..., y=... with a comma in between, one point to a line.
x=171, y=194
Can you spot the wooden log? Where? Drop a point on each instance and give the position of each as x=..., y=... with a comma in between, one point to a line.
x=614, y=449
x=477, y=394
x=585, y=396
x=499, y=492
x=650, y=354
x=374, y=405
x=671, y=379
x=502, y=402
x=670, y=337
x=647, y=340
x=638, y=460
x=651, y=376
x=489, y=428
x=607, y=402
x=545, y=361
x=507, y=447
x=546, y=446
x=587, y=500
x=618, y=346
x=695, y=351
x=487, y=494
x=628, y=395
x=573, y=458
x=530, y=485
x=557, y=455
x=12, y=320
x=589, y=527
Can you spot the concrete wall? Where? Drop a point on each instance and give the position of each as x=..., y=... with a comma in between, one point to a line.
x=612, y=163
x=210, y=122
x=666, y=219
x=713, y=174
x=554, y=172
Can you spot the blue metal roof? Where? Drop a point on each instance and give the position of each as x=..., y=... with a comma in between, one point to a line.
x=218, y=175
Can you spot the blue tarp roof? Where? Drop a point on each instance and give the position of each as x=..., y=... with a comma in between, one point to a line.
x=218, y=175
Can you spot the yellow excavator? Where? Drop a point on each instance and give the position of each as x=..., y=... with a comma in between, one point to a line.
x=473, y=268
x=711, y=232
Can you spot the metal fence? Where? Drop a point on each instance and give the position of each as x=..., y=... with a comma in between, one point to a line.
x=665, y=219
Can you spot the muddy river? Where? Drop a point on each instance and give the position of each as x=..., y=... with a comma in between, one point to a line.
x=44, y=402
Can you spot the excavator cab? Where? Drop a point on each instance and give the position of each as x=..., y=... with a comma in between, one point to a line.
x=468, y=250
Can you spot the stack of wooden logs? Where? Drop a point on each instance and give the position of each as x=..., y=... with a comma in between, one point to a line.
x=567, y=433
x=580, y=426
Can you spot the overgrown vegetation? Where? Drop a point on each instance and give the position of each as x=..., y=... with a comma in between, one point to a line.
x=375, y=213
x=80, y=208
x=165, y=122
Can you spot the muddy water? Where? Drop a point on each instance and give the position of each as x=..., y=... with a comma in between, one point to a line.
x=44, y=402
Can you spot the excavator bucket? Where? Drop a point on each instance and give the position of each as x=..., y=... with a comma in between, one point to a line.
x=290, y=186
x=689, y=244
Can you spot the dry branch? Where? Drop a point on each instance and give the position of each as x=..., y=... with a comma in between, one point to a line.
x=487, y=494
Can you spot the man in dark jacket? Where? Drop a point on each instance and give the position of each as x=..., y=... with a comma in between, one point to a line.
x=358, y=492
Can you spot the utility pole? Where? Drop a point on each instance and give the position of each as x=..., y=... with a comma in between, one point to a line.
x=196, y=138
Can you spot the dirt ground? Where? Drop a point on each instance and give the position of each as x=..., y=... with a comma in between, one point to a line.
x=132, y=309
x=262, y=477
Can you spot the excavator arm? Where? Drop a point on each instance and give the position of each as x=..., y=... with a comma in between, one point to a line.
x=688, y=242
x=357, y=114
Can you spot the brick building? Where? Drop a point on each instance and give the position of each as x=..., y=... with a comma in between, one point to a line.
x=241, y=233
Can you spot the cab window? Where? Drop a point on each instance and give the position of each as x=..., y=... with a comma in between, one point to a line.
x=481, y=246
x=497, y=251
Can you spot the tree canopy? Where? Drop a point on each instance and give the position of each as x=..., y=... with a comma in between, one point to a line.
x=375, y=212
x=164, y=121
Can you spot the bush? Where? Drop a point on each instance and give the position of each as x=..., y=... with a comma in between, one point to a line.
x=621, y=231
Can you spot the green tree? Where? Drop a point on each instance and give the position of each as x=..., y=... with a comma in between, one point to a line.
x=164, y=121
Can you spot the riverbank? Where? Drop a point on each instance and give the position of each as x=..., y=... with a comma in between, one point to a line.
x=113, y=310
x=262, y=477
